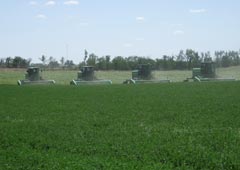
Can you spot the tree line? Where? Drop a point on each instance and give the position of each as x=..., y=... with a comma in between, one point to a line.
x=184, y=60
x=16, y=62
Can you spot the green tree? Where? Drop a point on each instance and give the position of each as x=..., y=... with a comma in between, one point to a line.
x=132, y=62
x=43, y=59
x=193, y=59
x=69, y=64
x=9, y=62
x=181, y=61
x=108, y=62
x=62, y=60
x=226, y=60
x=53, y=63
x=207, y=57
x=2, y=64
x=19, y=62
x=101, y=63
x=92, y=60
x=119, y=63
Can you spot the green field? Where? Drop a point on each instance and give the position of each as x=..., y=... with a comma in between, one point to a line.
x=178, y=126
x=10, y=76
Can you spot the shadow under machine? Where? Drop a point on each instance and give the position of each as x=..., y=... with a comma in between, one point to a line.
x=33, y=76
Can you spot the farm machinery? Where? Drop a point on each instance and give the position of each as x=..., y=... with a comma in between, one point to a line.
x=86, y=77
x=143, y=74
x=33, y=76
x=207, y=72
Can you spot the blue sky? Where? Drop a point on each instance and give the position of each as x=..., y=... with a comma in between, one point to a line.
x=31, y=28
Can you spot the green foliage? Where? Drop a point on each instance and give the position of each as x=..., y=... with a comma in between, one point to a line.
x=19, y=62
x=16, y=62
x=92, y=60
x=185, y=60
x=69, y=64
x=43, y=59
x=119, y=63
x=170, y=126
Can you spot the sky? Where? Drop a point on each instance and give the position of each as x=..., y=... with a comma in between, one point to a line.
x=151, y=28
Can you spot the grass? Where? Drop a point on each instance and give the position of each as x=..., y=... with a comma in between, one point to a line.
x=169, y=126
x=10, y=76
x=64, y=77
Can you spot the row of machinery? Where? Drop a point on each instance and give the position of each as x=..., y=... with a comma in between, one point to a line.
x=85, y=77
x=143, y=74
